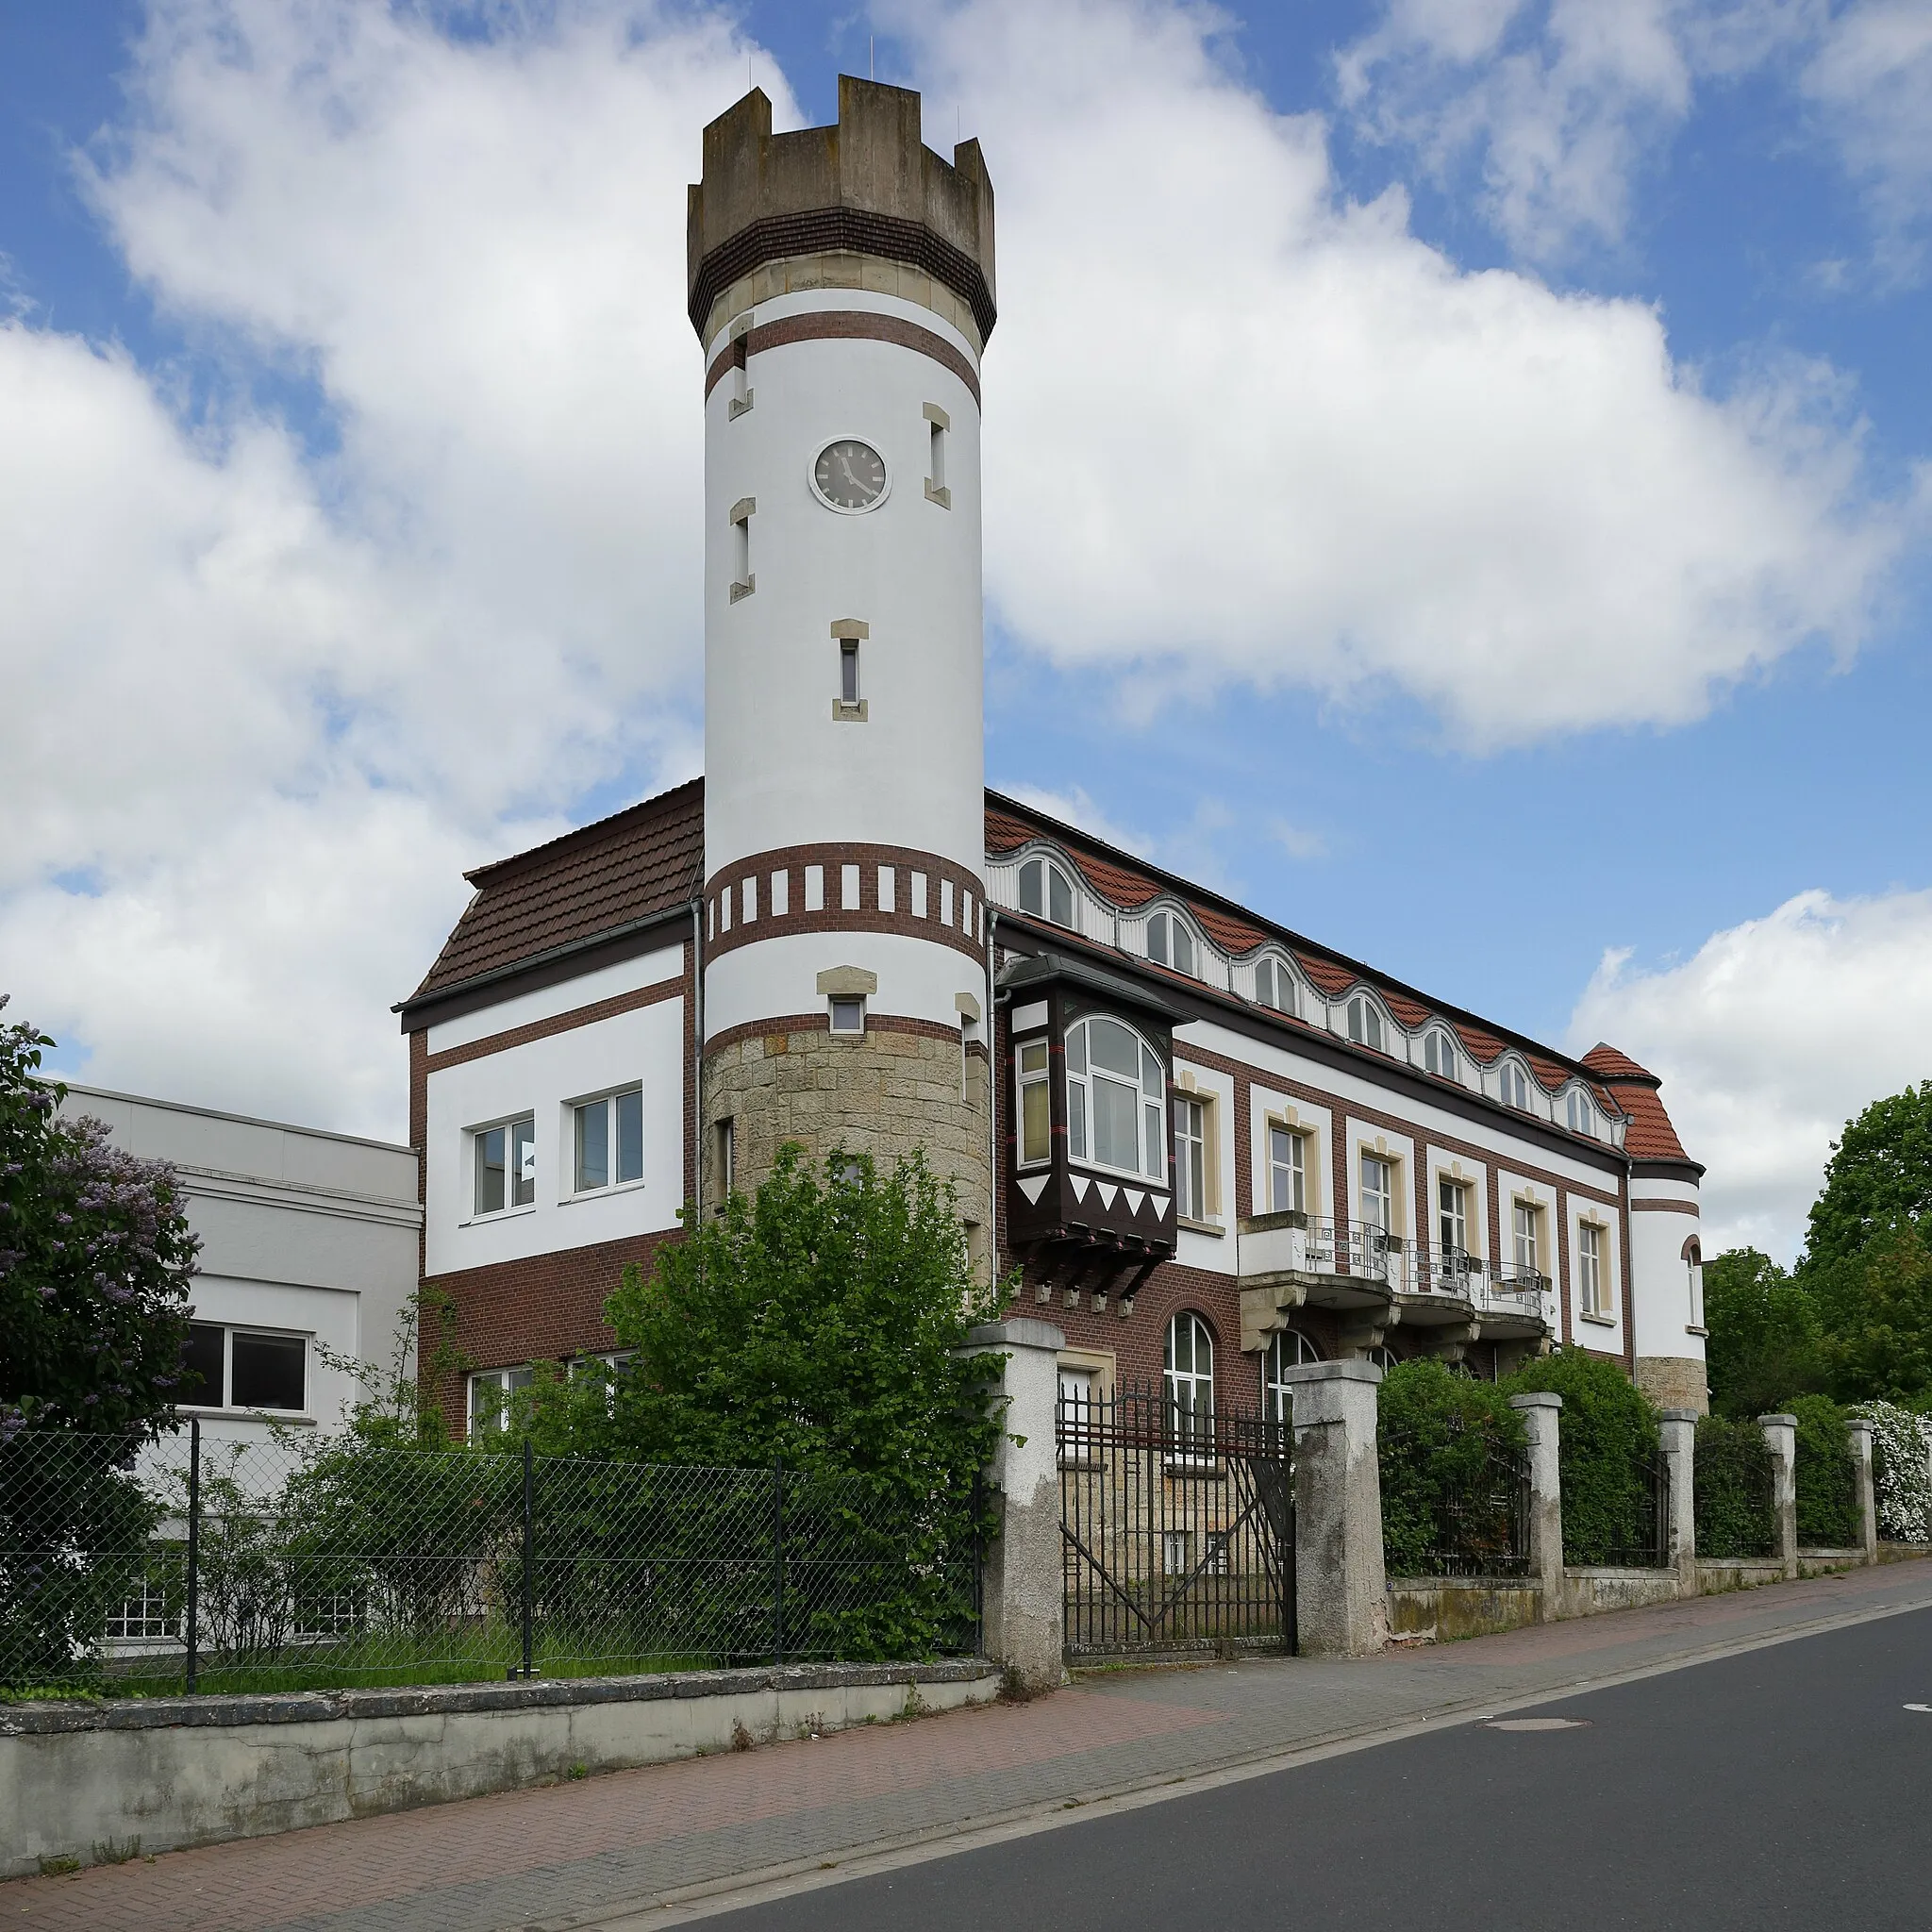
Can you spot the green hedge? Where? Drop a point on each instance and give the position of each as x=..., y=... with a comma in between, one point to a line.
x=1609, y=1448
x=1828, y=1476
x=1732, y=1484
x=1446, y=1448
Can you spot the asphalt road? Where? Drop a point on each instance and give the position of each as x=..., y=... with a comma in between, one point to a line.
x=1787, y=1787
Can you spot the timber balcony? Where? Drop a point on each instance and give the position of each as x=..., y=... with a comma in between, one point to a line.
x=1374, y=1280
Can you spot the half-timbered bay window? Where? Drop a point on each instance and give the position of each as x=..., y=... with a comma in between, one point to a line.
x=1116, y=1099
x=1035, y=1108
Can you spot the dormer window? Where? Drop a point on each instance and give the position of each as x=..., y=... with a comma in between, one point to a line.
x=1046, y=892
x=1365, y=1023
x=1171, y=943
x=1439, y=1055
x=1116, y=1099
x=1582, y=1113
x=1274, y=986
x=1515, y=1087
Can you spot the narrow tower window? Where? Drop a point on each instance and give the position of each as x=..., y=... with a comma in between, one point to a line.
x=939, y=425
x=848, y=633
x=741, y=392
x=743, y=582
x=848, y=671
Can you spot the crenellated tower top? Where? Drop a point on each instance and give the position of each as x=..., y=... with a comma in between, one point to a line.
x=817, y=208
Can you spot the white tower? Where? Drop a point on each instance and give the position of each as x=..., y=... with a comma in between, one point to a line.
x=841, y=282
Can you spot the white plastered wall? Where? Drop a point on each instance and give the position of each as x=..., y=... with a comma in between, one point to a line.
x=918, y=979
x=1659, y=1276
x=567, y=996
x=1607, y=1337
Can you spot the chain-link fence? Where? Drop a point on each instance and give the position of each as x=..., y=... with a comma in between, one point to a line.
x=1456, y=1502
x=200, y=1565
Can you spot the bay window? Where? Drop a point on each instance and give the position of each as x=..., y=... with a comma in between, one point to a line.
x=1116, y=1099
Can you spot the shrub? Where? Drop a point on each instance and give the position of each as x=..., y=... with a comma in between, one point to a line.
x=1447, y=1449
x=1732, y=1486
x=1828, y=1476
x=1609, y=1454
x=1900, y=1475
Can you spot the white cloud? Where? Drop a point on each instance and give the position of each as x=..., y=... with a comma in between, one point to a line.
x=1237, y=422
x=1769, y=1040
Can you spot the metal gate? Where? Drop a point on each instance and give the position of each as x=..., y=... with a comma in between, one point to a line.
x=1176, y=1527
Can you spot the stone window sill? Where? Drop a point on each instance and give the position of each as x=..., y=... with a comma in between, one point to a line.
x=1599, y=1320
x=249, y=1415
x=1213, y=1228
x=1692, y=1328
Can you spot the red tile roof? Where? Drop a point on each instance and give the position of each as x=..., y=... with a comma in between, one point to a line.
x=1650, y=1135
x=1613, y=1065
x=598, y=879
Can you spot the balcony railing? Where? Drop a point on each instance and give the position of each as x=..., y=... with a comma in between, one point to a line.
x=1312, y=1245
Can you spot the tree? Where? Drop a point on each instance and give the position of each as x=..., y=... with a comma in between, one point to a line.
x=1765, y=1344
x=96, y=1258
x=1874, y=1309
x=1880, y=1176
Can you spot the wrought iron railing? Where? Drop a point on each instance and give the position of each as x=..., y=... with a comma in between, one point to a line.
x=1456, y=1502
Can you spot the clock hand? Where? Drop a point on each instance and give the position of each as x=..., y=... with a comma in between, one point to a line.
x=846, y=465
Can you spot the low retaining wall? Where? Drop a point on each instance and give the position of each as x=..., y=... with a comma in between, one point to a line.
x=1440, y=1609
x=1822, y=1563
x=1903, y=1553
x=1587, y=1592
x=1716, y=1575
x=96, y=1782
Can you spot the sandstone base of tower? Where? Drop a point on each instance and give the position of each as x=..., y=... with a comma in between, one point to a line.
x=883, y=1093
x=1674, y=1381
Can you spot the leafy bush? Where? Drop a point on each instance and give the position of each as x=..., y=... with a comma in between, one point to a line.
x=1828, y=1476
x=1732, y=1484
x=1608, y=1457
x=1447, y=1449
x=1899, y=1473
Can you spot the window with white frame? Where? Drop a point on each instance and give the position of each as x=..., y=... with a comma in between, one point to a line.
x=1365, y=1023
x=1046, y=892
x=1288, y=1349
x=1384, y=1358
x=1116, y=1099
x=505, y=1158
x=1452, y=1215
x=491, y=1390
x=1188, y=1369
x=1693, y=1262
x=1078, y=1419
x=1191, y=1157
x=1288, y=1170
x=1171, y=943
x=1582, y=1113
x=1528, y=1229
x=847, y=1011
x=1592, y=1288
x=150, y=1613
x=1034, y=1111
x=608, y=1141
x=1515, y=1086
x=1439, y=1055
x=1274, y=986
x=244, y=1368
x=1379, y=1193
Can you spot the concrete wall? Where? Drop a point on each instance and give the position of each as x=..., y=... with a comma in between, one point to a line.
x=89, y=1781
x=1590, y=1591
x=1441, y=1610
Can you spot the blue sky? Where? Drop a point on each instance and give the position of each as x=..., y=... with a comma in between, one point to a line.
x=1554, y=590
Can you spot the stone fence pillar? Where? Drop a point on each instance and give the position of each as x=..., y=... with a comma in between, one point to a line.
x=1021, y=1588
x=1541, y=1413
x=1341, y=1589
x=1858, y=1432
x=1677, y=1438
x=1781, y=1439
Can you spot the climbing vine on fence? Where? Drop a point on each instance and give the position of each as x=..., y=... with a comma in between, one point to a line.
x=1734, y=1474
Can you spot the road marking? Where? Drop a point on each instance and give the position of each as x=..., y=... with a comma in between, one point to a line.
x=1918, y=1706
x=1538, y=1724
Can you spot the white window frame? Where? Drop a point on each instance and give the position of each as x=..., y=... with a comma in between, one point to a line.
x=1077, y=1399
x=1189, y=1391
x=1150, y=1145
x=1292, y=1171
x=1032, y=1075
x=1192, y=1155
x=1390, y=1168
x=519, y=1194
x=1047, y=874
x=1276, y=1406
x=1581, y=1112
x=1176, y=934
x=1272, y=970
x=1453, y=1222
x=849, y=1006
x=224, y=1403
x=1441, y=1056
x=1517, y=1086
x=1590, y=1255
x=574, y=1112
x=1366, y=1024
x=1526, y=1236
x=505, y=1382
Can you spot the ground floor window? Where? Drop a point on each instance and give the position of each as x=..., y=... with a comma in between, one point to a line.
x=1287, y=1350
x=490, y=1396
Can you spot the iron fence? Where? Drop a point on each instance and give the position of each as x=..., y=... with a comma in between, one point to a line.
x=1640, y=1535
x=1176, y=1524
x=1456, y=1501
x=1734, y=1493
x=192, y=1565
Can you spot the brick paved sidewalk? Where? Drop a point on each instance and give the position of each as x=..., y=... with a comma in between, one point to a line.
x=576, y=1851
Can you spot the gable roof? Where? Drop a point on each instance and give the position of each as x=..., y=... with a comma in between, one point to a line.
x=596, y=881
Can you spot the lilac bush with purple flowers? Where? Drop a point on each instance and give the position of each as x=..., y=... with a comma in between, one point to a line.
x=96, y=1258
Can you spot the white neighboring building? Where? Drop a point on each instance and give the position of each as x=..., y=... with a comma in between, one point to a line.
x=307, y=1237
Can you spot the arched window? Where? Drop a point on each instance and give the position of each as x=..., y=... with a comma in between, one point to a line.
x=1693, y=1272
x=1116, y=1099
x=1439, y=1055
x=1365, y=1023
x=1274, y=986
x=1384, y=1358
x=1582, y=1113
x=1170, y=942
x=1515, y=1086
x=1046, y=892
x=1288, y=1350
x=1188, y=1371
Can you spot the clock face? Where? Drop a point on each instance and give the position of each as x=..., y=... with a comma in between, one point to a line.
x=850, y=475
